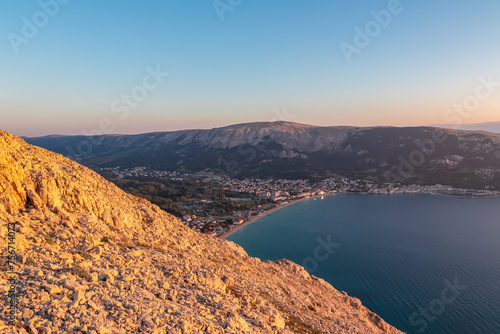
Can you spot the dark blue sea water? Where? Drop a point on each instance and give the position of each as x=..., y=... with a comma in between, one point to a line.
x=424, y=263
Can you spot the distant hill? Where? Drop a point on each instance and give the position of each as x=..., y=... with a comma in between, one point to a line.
x=489, y=127
x=423, y=155
x=93, y=259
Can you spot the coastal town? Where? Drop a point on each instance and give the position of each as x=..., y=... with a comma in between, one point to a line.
x=253, y=198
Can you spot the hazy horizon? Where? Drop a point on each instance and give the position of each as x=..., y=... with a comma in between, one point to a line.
x=493, y=127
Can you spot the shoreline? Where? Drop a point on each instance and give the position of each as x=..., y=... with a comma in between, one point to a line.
x=224, y=235
x=281, y=206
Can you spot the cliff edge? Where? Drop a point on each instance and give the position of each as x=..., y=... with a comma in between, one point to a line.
x=93, y=259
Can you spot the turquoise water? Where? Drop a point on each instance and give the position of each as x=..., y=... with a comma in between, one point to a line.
x=424, y=263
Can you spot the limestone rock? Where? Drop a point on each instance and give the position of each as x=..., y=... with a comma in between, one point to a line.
x=97, y=260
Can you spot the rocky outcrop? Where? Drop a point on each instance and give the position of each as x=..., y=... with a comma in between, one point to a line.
x=93, y=259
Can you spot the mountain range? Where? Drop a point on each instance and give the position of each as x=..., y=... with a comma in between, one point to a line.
x=85, y=257
x=420, y=155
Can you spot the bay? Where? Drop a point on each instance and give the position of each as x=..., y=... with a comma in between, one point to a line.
x=424, y=263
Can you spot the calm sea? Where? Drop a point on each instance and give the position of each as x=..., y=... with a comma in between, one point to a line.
x=424, y=263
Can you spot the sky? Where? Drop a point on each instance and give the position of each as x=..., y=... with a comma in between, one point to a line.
x=83, y=67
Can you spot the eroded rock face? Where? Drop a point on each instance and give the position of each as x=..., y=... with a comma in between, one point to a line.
x=94, y=259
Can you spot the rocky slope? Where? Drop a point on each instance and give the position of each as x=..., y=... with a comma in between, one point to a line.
x=423, y=155
x=94, y=259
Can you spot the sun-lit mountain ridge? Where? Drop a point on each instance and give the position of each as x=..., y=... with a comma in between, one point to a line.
x=94, y=259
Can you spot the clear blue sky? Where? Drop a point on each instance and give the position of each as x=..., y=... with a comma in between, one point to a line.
x=264, y=56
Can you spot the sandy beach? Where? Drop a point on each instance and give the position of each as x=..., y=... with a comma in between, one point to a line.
x=262, y=214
